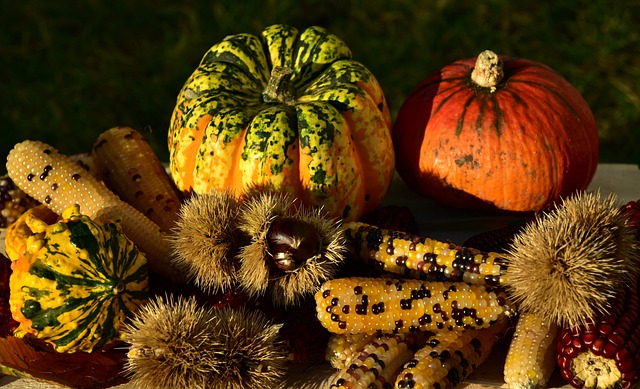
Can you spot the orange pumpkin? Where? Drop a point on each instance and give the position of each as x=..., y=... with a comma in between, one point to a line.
x=496, y=132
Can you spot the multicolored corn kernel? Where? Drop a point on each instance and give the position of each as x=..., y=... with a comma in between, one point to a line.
x=366, y=305
x=419, y=257
x=532, y=353
x=606, y=352
x=449, y=357
x=377, y=363
x=129, y=167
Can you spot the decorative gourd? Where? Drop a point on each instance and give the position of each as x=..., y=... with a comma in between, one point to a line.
x=286, y=110
x=496, y=132
x=75, y=281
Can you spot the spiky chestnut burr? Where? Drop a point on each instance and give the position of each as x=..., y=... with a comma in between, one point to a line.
x=206, y=240
x=176, y=343
x=293, y=248
x=570, y=261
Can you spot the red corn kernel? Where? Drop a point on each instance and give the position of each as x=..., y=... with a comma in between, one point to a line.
x=625, y=365
x=569, y=352
x=589, y=338
x=629, y=375
x=622, y=354
x=566, y=337
x=576, y=383
x=605, y=329
x=597, y=346
x=591, y=327
x=609, y=350
x=577, y=344
x=627, y=384
x=564, y=362
x=616, y=340
x=566, y=374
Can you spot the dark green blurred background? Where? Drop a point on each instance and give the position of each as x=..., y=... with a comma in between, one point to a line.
x=72, y=69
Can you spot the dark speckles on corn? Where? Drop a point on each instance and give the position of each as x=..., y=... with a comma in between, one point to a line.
x=377, y=362
x=406, y=305
x=448, y=357
x=424, y=258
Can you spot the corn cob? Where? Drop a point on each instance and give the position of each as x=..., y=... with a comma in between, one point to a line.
x=54, y=179
x=393, y=217
x=377, y=363
x=424, y=258
x=130, y=168
x=449, y=357
x=497, y=240
x=532, y=354
x=367, y=305
x=606, y=352
x=342, y=348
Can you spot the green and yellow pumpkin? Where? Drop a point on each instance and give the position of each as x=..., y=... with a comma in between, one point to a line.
x=286, y=110
x=74, y=282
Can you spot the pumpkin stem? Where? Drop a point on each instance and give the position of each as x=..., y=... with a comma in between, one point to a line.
x=488, y=71
x=279, y=88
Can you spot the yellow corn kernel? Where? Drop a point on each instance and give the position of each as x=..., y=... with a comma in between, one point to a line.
x=129, y=166
x=448, y=357
x=376, y=363
x=366, y=305
x=55, y=180
x=531, y=357
x=420, y=257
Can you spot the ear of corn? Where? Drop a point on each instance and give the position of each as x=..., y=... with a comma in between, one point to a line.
x=497, y=240
x=342, y=348
x=367, y=305
x=127, y=164
x=424, y=258
x=55, y=180
x=377, y=363
x=449, y=357
x=606, y=352
x=532, y=354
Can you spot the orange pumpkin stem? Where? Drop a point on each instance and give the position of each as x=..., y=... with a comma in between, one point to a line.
x=489, y=70
x=279, y=88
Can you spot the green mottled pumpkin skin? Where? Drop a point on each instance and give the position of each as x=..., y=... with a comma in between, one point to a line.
x=328, y=143
x=76, y=283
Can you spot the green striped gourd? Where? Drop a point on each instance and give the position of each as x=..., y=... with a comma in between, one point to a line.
x=285, y=110
x=75, y=281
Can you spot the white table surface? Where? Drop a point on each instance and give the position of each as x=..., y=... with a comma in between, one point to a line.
x=443, y=224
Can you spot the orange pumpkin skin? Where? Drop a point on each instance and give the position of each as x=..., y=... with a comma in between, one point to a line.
x=518, y=146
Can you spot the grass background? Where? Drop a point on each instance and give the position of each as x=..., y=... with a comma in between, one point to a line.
x=71, y=70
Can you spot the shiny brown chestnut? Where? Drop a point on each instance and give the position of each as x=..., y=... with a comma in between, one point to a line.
x=291, y=242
